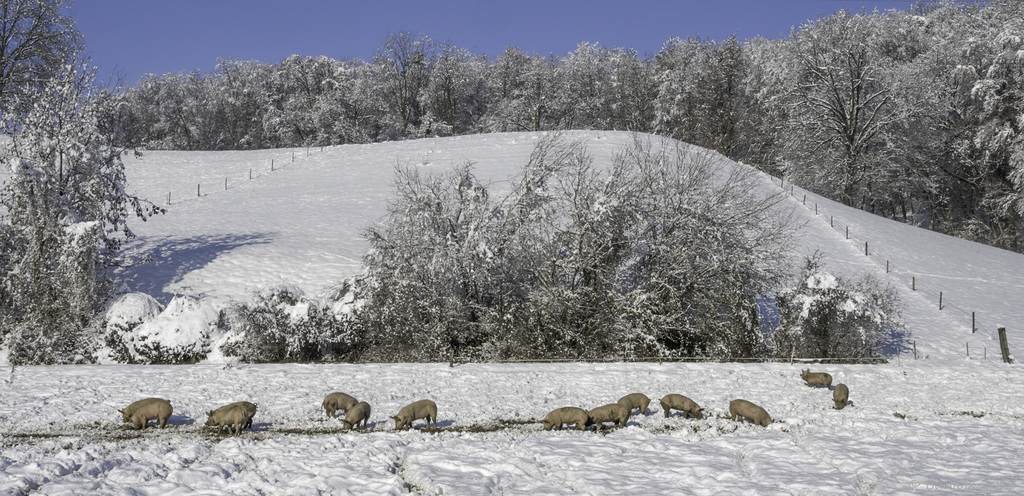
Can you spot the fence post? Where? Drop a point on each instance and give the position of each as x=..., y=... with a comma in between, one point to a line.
x=805, y=199
x=225, y=183
x=886, y=266
x=271, y=165
x=865, y=248
x=198, y=193
x=913, y=283
x=915, y=350
x=974, y=327
x=940, y=300
x=168, y=197
x=1004, y=346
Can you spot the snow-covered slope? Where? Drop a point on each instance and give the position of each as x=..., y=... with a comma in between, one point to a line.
x=940, y=424
x=302, y=223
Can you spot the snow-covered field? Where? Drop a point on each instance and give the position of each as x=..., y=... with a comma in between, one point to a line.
x=949, y=421
x=913, y=428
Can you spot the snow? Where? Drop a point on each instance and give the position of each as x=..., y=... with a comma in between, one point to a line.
x=912, y=426
x=947, y=420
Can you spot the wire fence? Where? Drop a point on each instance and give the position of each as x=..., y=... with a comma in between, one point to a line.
x=969, y=319
x=254, y=173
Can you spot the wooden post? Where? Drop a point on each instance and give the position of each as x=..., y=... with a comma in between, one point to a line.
x=225, y=183
x=940, y=300
x=913, y=283
x=1004, y=346
x=968, y=349
x=974, y=326
x=198, y=193
x=805, y=199
x=293, y=156
x=815, y=209
x=250, y=173
x=168, y=197
x=886, y=266
x=915, y=350
x=865, y=248
x=847, y=232
x=831, y=221
x=271, y=165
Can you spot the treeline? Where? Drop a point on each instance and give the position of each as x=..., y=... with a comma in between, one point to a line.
x=913, y=114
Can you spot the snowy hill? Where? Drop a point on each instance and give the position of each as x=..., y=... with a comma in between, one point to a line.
x=302, y=222
x=941, y=424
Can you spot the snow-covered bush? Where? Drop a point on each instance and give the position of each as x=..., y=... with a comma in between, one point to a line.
x=827, y=316
x=139, y=331
x=664, y=253
x=281, y=325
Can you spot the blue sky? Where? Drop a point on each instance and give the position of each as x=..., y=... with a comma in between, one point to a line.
x=135, y=37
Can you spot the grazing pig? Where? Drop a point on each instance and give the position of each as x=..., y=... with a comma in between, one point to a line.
x=356, y=414
x=338, y=401
x=613, y=412
x=840, y=394
x=739, y=409
x=235, y=416
x=414, y=411
x=635, y=400
x=566, y=415
x=249, y=408
x=814, y=379
x=680, y=402
x=141, y=411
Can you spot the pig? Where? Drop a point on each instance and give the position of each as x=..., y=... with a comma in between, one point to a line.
x=680, y=402
x=566, y=415
x=815, y=379
x=235, y=416
x=738, y=409
x=839, y=395
x=414, y=411
x=613, y=412
x=358, y=413
x=249, y=408
x=141, y=411
x=338, y=401
x=635, y=400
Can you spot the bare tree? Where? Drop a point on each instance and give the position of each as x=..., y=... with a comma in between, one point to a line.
x=840, y=103
x=36, y=39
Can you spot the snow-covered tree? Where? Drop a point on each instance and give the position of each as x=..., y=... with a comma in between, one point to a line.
x=841, y=107
x=37, y=38
x=65, y=212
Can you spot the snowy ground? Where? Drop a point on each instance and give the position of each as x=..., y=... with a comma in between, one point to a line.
x=913, y=428
x=947, y=422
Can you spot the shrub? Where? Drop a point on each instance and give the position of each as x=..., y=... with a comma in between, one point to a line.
x=827, y=316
